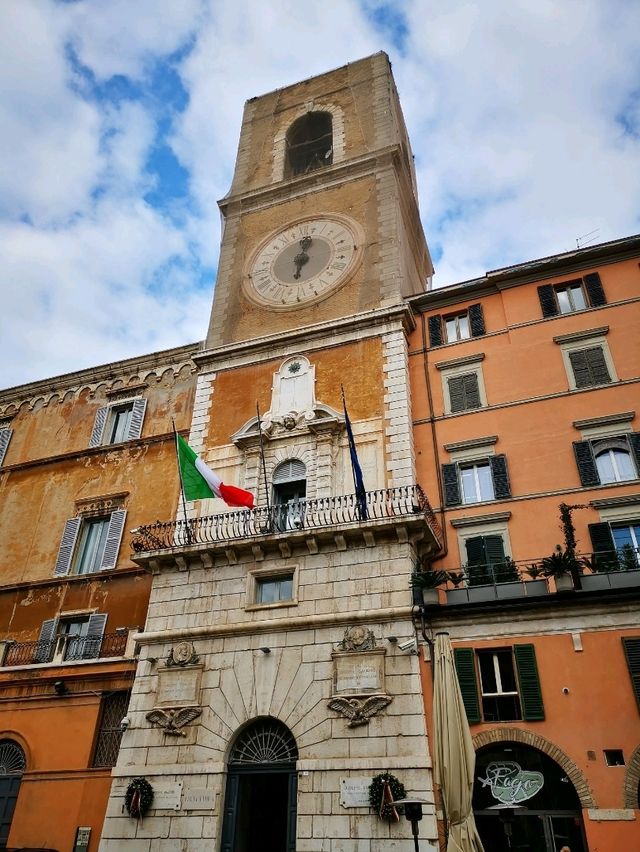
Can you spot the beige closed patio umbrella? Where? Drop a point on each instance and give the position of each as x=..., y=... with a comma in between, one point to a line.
x=453, y=752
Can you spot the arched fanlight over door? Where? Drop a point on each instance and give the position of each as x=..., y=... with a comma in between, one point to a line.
x=12, y=759
x=266, y=741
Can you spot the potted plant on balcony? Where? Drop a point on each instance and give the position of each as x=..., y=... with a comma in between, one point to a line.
x=426, y=584
x=562, y=565
x=457, y=594
x=615, y=569
x=537, y=584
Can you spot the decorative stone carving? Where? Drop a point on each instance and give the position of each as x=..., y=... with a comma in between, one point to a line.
x=184, y=654
x=359, y=710
x=171, y=721
x=357, y=638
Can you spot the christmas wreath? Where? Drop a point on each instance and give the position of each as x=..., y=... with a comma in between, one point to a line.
x=138, y=798
x=383, y=791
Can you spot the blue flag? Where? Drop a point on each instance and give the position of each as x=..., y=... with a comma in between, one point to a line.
x=361, y=494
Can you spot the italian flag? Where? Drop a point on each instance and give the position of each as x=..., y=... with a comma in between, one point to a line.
x=200, y=482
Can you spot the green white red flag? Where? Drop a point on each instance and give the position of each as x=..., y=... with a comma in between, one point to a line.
x=199, y=482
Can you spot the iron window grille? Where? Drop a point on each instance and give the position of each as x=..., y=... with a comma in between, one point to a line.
x=112, y=712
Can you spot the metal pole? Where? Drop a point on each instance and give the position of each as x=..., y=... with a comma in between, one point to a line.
x=264, y=466
x=184, y=499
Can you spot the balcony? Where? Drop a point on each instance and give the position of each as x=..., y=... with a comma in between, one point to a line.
x=528, y=582
x=66, y=649
x=298, y=518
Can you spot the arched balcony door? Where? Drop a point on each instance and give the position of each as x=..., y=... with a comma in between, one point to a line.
x=261, y=793
x=12, y=765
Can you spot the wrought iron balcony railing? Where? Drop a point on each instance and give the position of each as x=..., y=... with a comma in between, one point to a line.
x=66, y=649
x=388, y=503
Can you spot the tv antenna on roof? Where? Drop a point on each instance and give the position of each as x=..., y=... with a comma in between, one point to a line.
x=585, y=239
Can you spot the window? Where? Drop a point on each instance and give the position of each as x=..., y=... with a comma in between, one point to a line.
x=571, y=296
x=631, y=648
x=461, y=326
x=608, y=460
x=68, y=638
x=614, y=757
x=500, y=684
x=119, y=422
x=589, y=367
x=90, y=544
x=484, y=479
x=464, y=393
x=309, y=144
x=112, y=712
x=616, y=544
x=486, y=561
x=274, y=589
x=289, y=491
x=457, y=327
x=5, y=437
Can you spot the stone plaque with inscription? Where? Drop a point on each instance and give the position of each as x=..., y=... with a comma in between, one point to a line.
x=179, y=687
x=358, y=673
x=354, y=792
x=167, y=798
x=199, y=799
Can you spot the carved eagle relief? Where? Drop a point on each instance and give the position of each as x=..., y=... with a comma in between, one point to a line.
x=359, y=710
x=173, y=720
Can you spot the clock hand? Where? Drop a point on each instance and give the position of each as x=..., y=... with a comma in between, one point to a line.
x=302, y=257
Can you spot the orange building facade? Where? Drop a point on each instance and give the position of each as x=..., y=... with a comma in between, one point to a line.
x=85, y=457
x=525, y=394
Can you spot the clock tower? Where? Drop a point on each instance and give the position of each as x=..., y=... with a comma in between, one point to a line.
x=279, y=675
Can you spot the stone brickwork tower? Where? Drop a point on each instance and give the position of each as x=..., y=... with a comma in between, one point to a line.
x=283, y=635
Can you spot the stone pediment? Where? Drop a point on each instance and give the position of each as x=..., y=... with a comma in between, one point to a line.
x=322, y=418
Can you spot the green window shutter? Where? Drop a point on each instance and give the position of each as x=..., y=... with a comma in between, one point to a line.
x=632, y=654
x=5, y=437
x=530, y=691
x=586, y=463
x=476, y=320
x=466, y=670
x=595, y=291
x=548, y=303
x=601, y=538
x=598, y=366
x=476, y=552
x=471, y=391
x=464, y=393
x=494, y=548
x=435, y=330
x=451, y=485
x=501, y=484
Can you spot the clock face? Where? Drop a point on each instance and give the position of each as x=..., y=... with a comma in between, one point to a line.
x=304, y=262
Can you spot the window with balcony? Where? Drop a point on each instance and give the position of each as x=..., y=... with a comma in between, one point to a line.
x=90, y=544
x=309, y=144
x=289, y=490
x=476, y=481
x=121, y=421
x=606, y=461
x=70, y=638
x=570, y=296
x=500, y=684
x=450, y=328
x=616, y=544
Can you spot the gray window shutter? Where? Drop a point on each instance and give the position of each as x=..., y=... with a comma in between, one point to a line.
x=466, y=671
x=464, y=392
x=494, y=548
x=5, y=437
x=529, y=682
x=586, y=463
x=67, y=546
x=594, y=289
x=589, y=367
x=435, y=330
x=98, y=427
x=137, y=416
x=634, y=445
x=632, y=653
x=476, y=320
x=500, y=476
x=476, y=553
x=46, y=641
x=114, y=537
x=451, y=485
x=548, y=302
x=93, y=639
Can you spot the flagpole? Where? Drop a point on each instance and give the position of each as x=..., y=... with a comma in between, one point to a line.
x=184, y=499
x=264, y=466
x=360, y=494
x=353, y=470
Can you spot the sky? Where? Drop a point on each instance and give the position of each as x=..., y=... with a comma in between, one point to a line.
x=120, y=123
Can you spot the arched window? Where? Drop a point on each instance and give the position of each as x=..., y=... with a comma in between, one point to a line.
x=613, y=461
x=309, y=143
x=289, y=489
x=12, y=760
x=12, y=765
